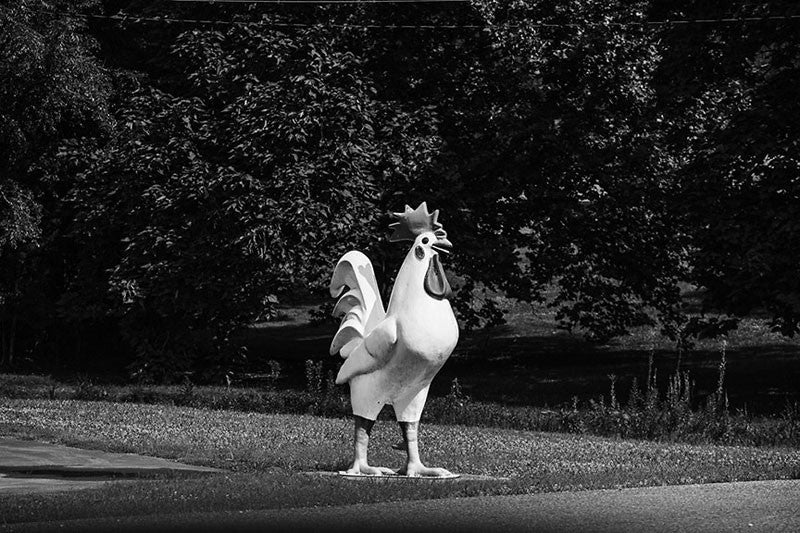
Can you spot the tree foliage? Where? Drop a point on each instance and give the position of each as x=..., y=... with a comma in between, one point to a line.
x=734, y=127
x=580, y=157
x=580, y=182
x=52, y=88
x=204, y=207
x=632, y=158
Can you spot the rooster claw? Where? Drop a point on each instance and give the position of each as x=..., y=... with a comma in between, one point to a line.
x=366, y=470
x=421, y=470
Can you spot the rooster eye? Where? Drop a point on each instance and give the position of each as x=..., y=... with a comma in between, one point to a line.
x=425, y=240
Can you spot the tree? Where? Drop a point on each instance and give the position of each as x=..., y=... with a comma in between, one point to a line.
x=52, y=88
x=734, y=126
x=205, y=174
x=581, y=181
x=206, y=206
x=627, y=159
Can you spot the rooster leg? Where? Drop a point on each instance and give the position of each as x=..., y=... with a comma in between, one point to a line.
x=414, y=466
x=360, y=465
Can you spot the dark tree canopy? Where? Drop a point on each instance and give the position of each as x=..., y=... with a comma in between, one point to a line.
x=168, y=184
x=53, y=88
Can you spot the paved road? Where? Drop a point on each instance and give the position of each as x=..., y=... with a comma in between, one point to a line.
x=28, y=466
x=763, y=506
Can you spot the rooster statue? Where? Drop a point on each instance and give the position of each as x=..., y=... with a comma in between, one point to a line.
x=391, y=356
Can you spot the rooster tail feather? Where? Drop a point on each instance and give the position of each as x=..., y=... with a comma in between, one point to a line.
x=359, y=303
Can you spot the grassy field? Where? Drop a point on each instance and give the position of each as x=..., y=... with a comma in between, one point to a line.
x=650, y=414
x=273, y=459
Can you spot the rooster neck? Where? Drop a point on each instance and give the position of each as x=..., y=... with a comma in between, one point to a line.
x=409, y=290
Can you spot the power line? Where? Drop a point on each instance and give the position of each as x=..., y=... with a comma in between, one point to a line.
x=131, y=18
x=645, y=23
x=326, y=1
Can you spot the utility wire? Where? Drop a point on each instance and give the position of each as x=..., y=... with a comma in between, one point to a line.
x=326, y=1
x=170, y=20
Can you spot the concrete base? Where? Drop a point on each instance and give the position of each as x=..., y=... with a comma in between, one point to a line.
x=397, y=477
x=344, y=473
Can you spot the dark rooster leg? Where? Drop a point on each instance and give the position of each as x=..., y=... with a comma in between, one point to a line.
x=414, y=466
x=360, y=465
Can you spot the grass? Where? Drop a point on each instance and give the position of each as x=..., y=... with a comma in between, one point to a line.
x=266, y=453
x=640, y=412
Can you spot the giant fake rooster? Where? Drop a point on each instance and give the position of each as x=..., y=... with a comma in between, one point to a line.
x=391, y=356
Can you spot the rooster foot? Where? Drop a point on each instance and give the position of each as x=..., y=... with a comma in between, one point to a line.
x=363, y=469
x=420, y=470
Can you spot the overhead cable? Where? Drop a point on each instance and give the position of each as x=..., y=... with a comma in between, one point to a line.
x=171, y=20
x=326, y=1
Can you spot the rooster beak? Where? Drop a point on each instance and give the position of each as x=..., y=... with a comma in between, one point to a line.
x=442, y=245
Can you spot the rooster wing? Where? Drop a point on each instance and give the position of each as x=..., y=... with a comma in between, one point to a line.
x=366, y=337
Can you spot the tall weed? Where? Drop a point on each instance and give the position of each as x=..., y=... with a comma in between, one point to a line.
x=326, y=398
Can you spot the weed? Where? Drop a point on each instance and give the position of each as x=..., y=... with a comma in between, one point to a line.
x=187, y=395
x=789, y=427
x=274, y=370
x=87, y=390
x=613, y=391
x=635, y=399
x=326, y=399
x=456, y=394
x=315, y=382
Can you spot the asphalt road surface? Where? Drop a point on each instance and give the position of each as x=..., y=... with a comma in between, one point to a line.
x=763, y=506
x=28, y=467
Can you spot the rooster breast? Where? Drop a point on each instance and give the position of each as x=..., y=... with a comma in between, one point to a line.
x=428, y=332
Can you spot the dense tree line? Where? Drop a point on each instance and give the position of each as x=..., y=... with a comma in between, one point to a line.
x=164, y=185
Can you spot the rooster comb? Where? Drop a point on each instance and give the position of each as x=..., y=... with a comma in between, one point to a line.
x=413, y=222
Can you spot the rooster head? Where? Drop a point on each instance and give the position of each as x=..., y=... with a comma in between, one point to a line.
x=430, y=238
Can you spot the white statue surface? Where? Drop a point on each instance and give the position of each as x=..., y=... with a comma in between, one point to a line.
x=391, y=355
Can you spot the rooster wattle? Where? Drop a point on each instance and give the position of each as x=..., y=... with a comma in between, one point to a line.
x=392, y=355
